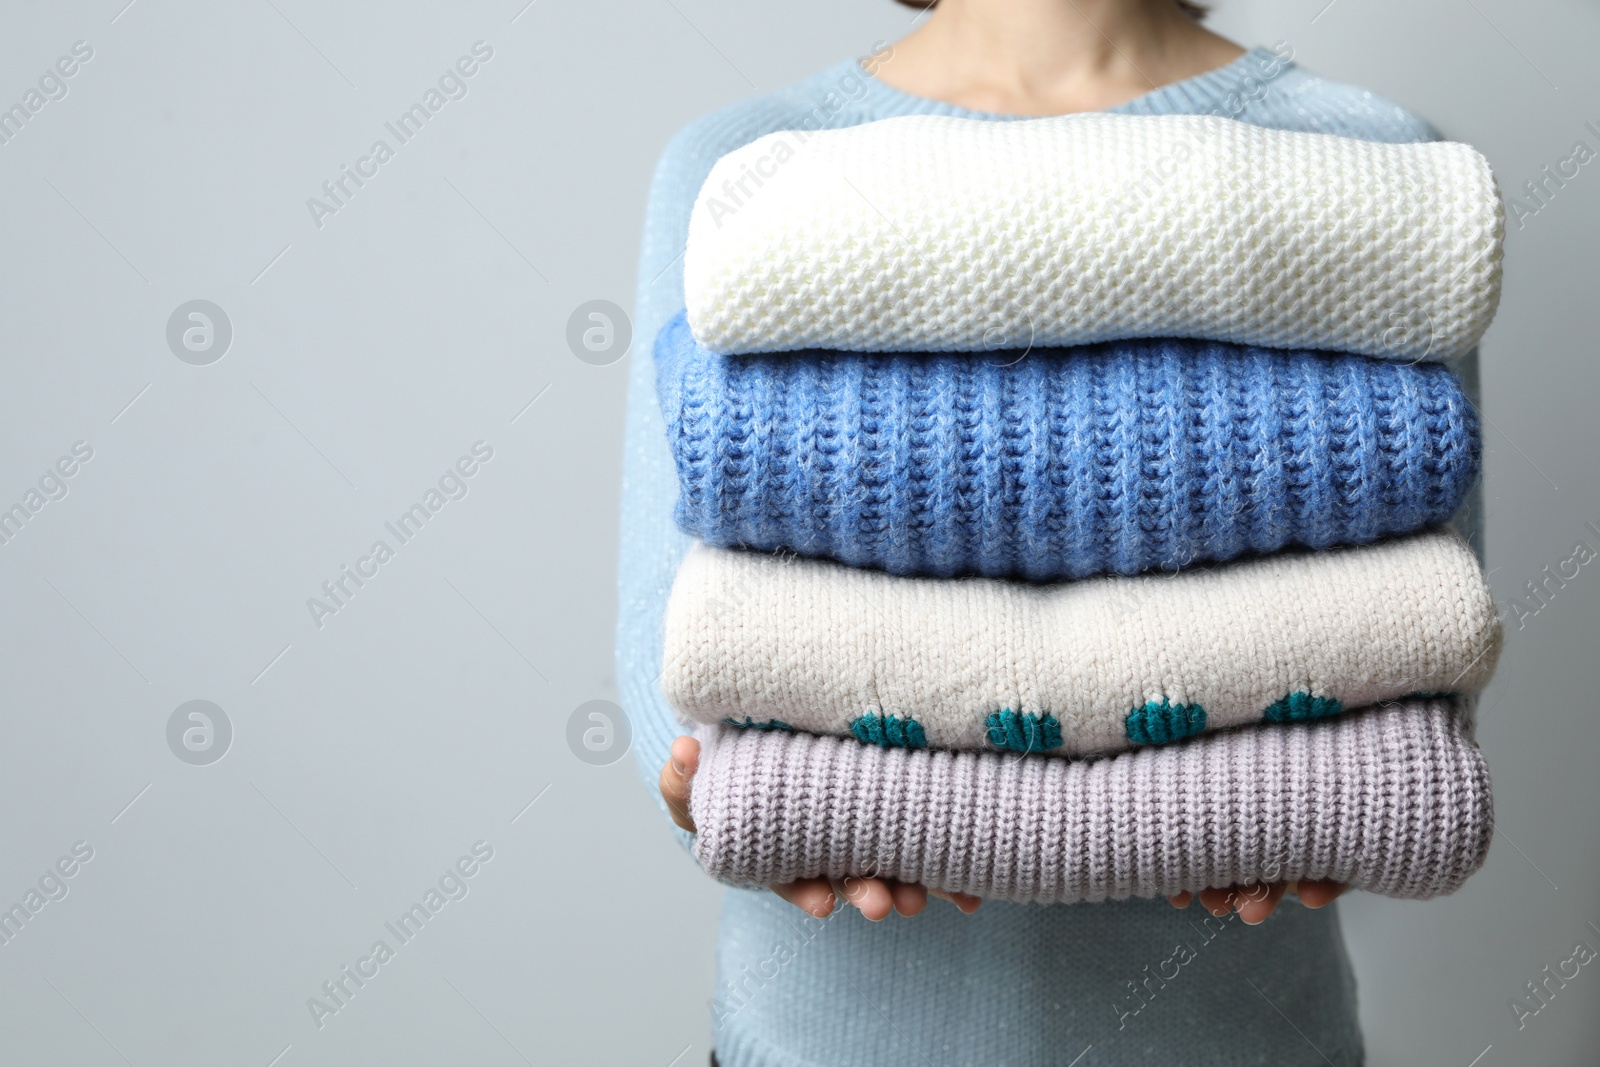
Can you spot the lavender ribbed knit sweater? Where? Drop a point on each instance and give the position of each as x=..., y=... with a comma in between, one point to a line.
x=1393, y=799
x=1015, y=985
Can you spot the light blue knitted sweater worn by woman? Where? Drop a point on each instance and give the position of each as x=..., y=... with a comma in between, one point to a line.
x=1133, y=982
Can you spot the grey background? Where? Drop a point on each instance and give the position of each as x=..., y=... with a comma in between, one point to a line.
x=369, y=754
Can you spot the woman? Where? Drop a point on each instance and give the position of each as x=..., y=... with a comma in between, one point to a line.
x=1004, y=984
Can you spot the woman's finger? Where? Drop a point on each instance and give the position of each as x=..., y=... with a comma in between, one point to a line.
x=814, y=896
x=870, y=896
x=676, y=779
x=1181, y=900
x=1218, y=902
x=1254, y=907
x=909, y=898
x=1319, y=894
x=964, y=901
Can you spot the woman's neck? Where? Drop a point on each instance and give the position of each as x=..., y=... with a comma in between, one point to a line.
x=1050, y=57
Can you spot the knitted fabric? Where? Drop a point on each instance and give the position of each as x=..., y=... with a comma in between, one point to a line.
x=1118, y=457
x=1115, y=662
x=1010, y=984
x=929, y=232
x=1392, y=799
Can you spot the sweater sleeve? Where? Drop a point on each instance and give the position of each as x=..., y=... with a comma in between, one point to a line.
x=650, y=543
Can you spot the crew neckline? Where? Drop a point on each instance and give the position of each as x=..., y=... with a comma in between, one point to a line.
x=1212, y=85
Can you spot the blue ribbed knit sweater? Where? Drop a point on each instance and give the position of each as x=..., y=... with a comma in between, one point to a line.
x=1061, y=463
x=1012, y=985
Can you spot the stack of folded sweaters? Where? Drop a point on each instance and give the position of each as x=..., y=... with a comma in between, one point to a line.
x=1072, y=496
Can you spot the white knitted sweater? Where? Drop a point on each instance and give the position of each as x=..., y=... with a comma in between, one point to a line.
x=812, y=645
x=933, y=233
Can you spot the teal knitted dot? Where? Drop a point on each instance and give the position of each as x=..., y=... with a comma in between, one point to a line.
x=1300, y=707
x=757, y=724
x=889, y=731
x=1024, y=732
x=1162, y=722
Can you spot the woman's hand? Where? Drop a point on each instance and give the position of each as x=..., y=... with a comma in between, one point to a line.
x=873, y=897
x=1254, y=903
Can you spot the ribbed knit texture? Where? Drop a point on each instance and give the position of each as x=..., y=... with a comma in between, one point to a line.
x=1119, y=457
x=1391, y=799
x=1113, y=662
x=1011, y=984
x=928, y=232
